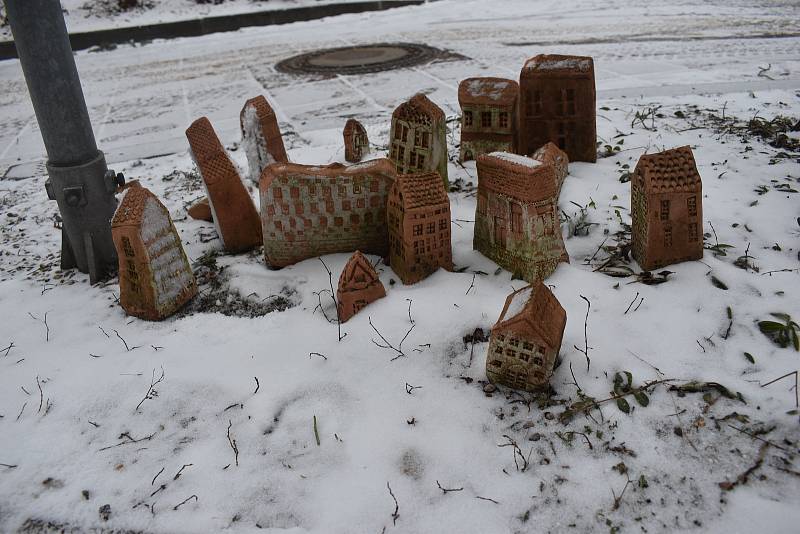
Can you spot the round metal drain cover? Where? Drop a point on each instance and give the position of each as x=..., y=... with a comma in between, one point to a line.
x=364, y=59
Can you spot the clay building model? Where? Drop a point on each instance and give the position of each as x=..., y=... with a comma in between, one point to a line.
x=309, y=211
x=261, y=136
x=557, y=103
x=200, y=210
x=516, y=219
x=356, y=142
x=234, y=213
x=524, y=343
x=552, y=155
x=488, y=116
x=419, y=227
x=417, y=138
x=155, y=278
x=667, y=209
x=359, y=285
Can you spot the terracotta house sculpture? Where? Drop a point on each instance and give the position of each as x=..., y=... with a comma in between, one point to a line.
x=419, y=227
x=200, y=210
x=488, y=116
x=356, y=142
x=524, y=343
x=234, y=213
x=261, y=136
x=552, y=155
x=309, y=211
x=359, y=285
x=155, y=278
x=516, y=219
x=417, y=138
x=557, y=103
x=667, y=209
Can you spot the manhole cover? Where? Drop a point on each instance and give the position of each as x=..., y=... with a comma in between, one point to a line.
x=364, y=59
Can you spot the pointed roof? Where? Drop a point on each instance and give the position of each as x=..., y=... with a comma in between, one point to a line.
x=353, y=126
x=488, y=91
x=536, y=306
x=262, y=107
x=420, y=190
x=419, y=104
x=132, y=205
x=519, y=177
x=559, y=64
x=358, y=266
x=203, y=141
x=671, y=170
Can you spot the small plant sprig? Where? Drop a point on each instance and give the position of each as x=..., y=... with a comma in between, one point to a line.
x=783, y=334
x=623, y=385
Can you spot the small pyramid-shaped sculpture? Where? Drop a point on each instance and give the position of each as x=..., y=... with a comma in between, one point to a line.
x=359, y=285
x=666, y=209
x=235, y=215
x=155, y=278
x=356, y=142
x=417, y=139
x=261, y=136
x=524, y=343
x=552, y=155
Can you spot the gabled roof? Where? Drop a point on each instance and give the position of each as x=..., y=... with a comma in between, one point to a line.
x=358, y=264
x=670, y=171
x=545, y=64
x=420, y=190
x=536, y=306
x=352, y=126
x=519, y=177
x=132, y=205
x=488, y=91
x=261, y=105
x=419, y=104
x=203, y=141
x=380, y=167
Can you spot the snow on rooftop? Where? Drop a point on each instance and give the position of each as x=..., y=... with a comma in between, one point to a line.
x=561, y=63
x=516, y=159
x=518, y=302
x=488, y=88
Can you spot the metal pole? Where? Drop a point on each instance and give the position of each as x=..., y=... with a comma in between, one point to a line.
x=80, y=181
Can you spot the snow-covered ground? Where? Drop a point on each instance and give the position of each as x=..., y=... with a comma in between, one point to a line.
x=669, y=74
x=91, y=15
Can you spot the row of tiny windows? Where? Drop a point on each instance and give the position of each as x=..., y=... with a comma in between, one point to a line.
x=421, y=138
x=486, y=119
x=342, y=189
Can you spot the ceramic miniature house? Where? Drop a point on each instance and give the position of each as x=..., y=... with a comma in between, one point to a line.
x=261, y=136
x=524, y=343
x=356, y=142
x=557, y=103
x=488, y=116
x=667, y=209
x=200, y=210
x=419, y=227
x=155, y=278
x=516, y=219
x=309, y=211
x=417, y=138
x=359, y=285
x=552, y=155
x=234, y=213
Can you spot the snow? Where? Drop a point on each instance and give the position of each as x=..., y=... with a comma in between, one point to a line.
x=518, y=302
x=559, y=64
x=163, y=249
x=372, y=431
x=516, y=159
x=490, y=89
x=255, y=146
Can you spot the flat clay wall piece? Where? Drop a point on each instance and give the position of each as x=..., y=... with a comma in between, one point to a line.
x=524, y=343
x=234, y=214
x=309, y=211
x=155, y=278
